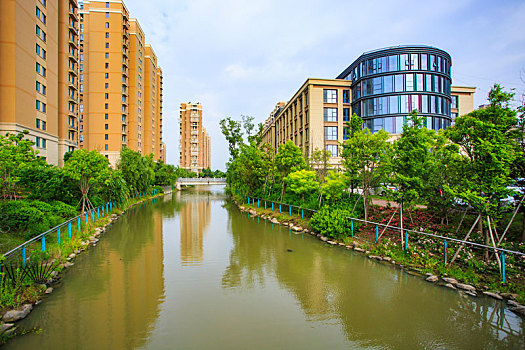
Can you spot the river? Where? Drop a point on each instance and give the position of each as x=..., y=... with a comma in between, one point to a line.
x=190, y=271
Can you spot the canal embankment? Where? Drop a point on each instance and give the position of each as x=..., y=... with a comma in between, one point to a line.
x=460, y=278
x=30, y=278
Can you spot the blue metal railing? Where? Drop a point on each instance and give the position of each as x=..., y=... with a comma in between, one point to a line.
x=100, y=211
x=446, y=240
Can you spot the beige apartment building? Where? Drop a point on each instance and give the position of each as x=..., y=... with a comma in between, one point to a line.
x=314, y=118
x=120, y=83
x=316, y=115
x=39, y=74
x=194, y=141
x=462, y=100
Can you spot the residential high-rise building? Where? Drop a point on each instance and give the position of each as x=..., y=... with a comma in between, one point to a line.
x=194, y=141
x=382, y=87
x=120, y=83
x=38, y=74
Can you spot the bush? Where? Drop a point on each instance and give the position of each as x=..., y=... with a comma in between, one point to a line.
x=332, y=222
x=29, y=218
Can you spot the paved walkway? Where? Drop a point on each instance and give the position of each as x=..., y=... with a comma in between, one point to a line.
x=393, y=204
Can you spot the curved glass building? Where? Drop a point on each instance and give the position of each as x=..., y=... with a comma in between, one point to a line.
x=389, y=83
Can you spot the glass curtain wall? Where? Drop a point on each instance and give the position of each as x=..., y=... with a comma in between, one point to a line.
x=389, y=83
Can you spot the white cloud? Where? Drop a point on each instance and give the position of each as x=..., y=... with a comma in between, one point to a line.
x=241, y=57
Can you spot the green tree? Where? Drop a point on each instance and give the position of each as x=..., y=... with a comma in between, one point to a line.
x=289, y=158
x=231, y=129
x=115, y=188
x=336, y=183
x=410, y=162
x=15, y=150
x=137, y=170
x=87, y=169
x=302, y=182
x=320, y=161
x=364, y=156
x=487, y=138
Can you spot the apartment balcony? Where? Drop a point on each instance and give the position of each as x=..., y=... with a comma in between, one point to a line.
x=124, y=122
x=124, y=131
x=72, y=127
x=73, y=43
x=125, y=43
x=73, y=71
x=125, y=53
x=73, y=58
x=73, y=15
x=125, y=62
x=72, y=113
x=72, y=85
x=73, y=30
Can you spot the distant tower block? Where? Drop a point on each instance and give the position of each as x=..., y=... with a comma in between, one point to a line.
x=194, y=141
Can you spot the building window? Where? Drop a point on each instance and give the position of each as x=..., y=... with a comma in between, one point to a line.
x=330, y=96
x=106, y=96
x=107, y=4
x=346, y=133
x=346, y=96
x=107, y=14
x=106, y=116
x=107, y=45
x=332, y=149
x=43, y=107
x=106, y=137
x=107, y=55
x=37, y=123
x=43, y=89
x=106, y=85
x=37, y=105
x=106, y=106
x=43, y=125
x=107, y=65
x=107, y=24
x=106, y=75
x=454, y=103
x=330, y=133
x=330, y=114
x=106, y=126
x=106, y=147
x=346, y=114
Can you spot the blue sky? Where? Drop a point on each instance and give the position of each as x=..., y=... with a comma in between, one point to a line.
x=242, y=57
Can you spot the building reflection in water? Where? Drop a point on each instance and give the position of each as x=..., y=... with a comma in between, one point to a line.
x=195, y=217
x=372, y=303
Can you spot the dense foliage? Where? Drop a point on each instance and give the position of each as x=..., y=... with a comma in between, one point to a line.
x=472, y=163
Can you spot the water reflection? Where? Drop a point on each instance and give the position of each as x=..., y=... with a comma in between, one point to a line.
x=113, y=294
x=194, y=219
x=376, y=306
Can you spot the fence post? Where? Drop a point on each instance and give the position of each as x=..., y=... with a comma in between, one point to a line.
x=302, y=213
x=23, y=253
x=377, y=233
x=445, y=251
x=93, y=215
x=44, y=243
x=279, y=207
x=107, y=207
x=502, y=267
x=58, y=235
x=272, y=206
x=258, y=202
x=352, y=227
x=289, y=210
x=87, y=218
x=406, y=241
x=110, y=206
x=98, y=213
x=69, y=229
x=79, y=224
x=264, y=205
